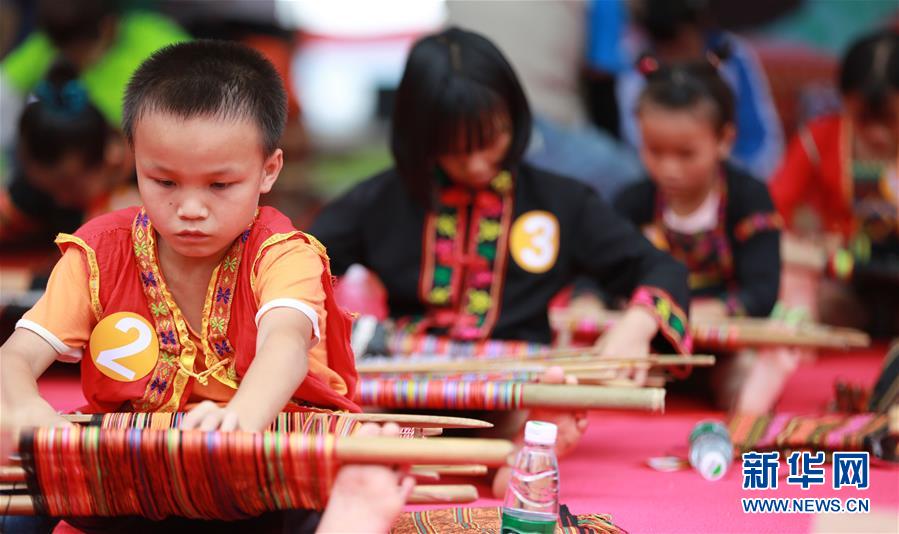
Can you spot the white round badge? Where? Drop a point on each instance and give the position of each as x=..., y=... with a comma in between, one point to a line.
x=535, y=241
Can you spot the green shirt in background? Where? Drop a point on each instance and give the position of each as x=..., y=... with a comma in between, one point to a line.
x=139, y=35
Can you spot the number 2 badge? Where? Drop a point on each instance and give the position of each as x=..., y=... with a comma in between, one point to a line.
x=124, y=347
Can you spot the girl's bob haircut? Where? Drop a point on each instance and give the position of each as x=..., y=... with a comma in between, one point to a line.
x=457, y=95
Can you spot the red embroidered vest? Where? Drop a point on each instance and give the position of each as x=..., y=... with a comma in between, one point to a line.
x=125, y=277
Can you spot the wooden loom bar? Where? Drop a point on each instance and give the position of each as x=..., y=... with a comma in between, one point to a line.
x=742, y=331
x=451, y=470
x=417, y=421
x=23, y=504
x=390, y=450
x=587, y=397
x=503, y=395
x=571, y=360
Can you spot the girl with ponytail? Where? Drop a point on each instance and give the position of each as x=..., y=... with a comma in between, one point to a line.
x=709, y=214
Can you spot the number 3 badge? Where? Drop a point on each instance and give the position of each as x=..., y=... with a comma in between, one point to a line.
x=124, y=347
x=535, y=241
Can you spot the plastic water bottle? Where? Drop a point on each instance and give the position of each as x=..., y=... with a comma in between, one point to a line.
x=532, y=498
x=711, y=450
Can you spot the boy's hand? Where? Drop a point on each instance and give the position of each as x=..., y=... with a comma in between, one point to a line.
x=36, y=414
x=208, y=416
x=367, y=498
x=630, y=337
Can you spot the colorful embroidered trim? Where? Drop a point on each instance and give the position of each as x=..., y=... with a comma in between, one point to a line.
x=178, y=352
x=172, y=332
x=707, y=255
x=464, y=253
x=792, y=431
x=757, y=223
x=94, y=278
x=671, y=318
x=220, y=361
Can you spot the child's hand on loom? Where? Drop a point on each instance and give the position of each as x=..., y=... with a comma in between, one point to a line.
x=630, y=338
x=708, y=310
x=208, y=416
x=36, y=414
x=367, y=498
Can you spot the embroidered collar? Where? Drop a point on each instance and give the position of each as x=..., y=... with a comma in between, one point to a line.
x=177, y=352
x=464, y=251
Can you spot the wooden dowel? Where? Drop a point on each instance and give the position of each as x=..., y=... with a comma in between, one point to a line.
x=601, y=380
x=754, y=336
x=453, y=493
x=23, y=505
x=570, y=360
x=382, y=450
x=422, y=421
x=16, y=504
x=391, y=451
x=417, y=421
x=592, y=397
x=421, y=475
x=532, y=395
x=11, y=474
x=743, y=331
x=452, y=470
x=16, y=475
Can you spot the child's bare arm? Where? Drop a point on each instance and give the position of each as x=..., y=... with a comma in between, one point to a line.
x=280, y=366
x=23, y=358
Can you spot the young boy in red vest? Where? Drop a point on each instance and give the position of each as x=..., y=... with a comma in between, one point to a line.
x=200, y=300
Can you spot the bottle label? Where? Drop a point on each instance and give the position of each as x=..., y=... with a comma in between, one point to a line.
x=709, y=427
x=521, y=525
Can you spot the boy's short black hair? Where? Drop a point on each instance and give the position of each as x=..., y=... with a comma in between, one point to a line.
x=870, y=69
x=209, y=79
x=457, y=94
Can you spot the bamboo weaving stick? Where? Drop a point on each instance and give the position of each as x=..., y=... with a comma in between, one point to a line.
x=491, y=395
x=571, y=360
x=743, y=331
x=451, y=470
x=412, y=420
x=390, y=451
x=592, y=397
x=23, y=504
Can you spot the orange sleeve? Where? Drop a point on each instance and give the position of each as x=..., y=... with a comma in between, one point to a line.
x=289, y=275
x=63, y=316
x=789, y=187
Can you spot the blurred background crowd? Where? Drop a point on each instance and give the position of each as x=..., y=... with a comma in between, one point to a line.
x=342, y=60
